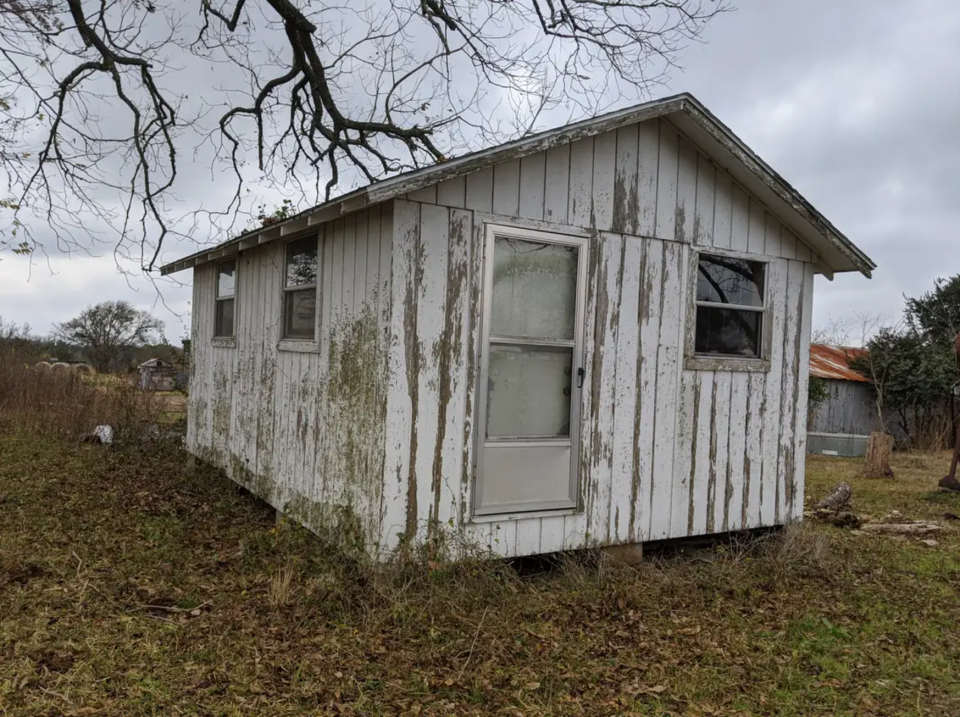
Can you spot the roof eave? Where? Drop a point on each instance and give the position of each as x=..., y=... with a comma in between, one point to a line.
x=834, y=252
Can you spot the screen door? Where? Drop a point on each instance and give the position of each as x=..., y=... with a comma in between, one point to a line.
x=531, y=371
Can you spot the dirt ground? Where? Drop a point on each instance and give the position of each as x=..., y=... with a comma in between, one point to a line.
x=130, y=585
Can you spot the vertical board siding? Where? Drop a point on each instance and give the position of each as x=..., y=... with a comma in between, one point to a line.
x=769, y=480
x=803, y=381
x=597, y=456
x=645, y=414
x=665, y=452
x=580, y=207
x=624, y=472
x=669, y=350
x=433, y=362
x=301, y=429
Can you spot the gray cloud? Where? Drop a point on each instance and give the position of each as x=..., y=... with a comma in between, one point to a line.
x=855, y=103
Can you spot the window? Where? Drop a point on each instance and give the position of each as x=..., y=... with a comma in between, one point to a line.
x=300, y=290
x=226, y=292
x=730, y=307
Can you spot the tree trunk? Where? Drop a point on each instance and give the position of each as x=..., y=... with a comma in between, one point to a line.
x=877, y=461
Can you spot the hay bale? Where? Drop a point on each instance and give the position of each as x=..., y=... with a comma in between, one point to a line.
x=85, y=369
x=59, y=366
x=42, y=364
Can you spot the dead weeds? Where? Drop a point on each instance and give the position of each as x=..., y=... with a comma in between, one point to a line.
x=142, y=588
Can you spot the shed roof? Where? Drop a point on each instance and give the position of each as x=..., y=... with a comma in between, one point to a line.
x=835, y=252
x=155, y=363
x=833, y=362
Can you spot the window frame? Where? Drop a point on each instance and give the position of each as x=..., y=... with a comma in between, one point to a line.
x=729, y=362
x=300, y=343
x=218, y=337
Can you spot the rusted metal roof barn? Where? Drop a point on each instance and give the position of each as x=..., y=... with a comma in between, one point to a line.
x=841, y=424
x=594, y=336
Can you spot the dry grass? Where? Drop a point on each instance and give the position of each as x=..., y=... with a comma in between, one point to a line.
x=280, y=589
x=129, y=585
x=68, y=403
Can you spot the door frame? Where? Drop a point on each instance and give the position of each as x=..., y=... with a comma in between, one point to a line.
x=490, y=231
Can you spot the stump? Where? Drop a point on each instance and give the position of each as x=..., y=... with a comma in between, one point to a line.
x=877, y=461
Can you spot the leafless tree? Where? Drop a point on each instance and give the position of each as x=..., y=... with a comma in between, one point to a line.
x=107, y=330
x=853, y=331
x=107, y=102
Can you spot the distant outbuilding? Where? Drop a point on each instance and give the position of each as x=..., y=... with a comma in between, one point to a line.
x=841, y=424
x=157, y=375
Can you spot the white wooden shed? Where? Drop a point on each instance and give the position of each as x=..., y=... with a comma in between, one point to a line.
x=596, y=335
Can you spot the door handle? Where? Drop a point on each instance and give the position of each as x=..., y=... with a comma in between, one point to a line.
x=580, y=374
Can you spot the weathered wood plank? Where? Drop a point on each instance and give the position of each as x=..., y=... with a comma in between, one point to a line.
x=625, y=403
x=551, y=534
x=776, y=300
x=575, y=534
x=788, y=244
x=506, y=188
x=772, y=244
x=753, y=458
x=452, y=369
x=604, y=176
x=431, y=311
x=700, y=514
x=682, y=497
x=626, y=209
x=719, y=450
x=686, y=192
x=649, y=167
x=667, y=178
x=360, y=264
x=452, y=192
x=528, y=536
x=795, y=509
x=723, y=211
x=557, y=191
x=603, y=384
x=480, y=190
x=427, y=195
x=593, y=320
x=740, y=222
x=532, y=185
x=756, y=232
x=472, y=434
x=344, y=274
x=733, y=497
x=400, y=480
x=706, y=191
x=793, y=307
x=651, y=297
x=503, y=538
x=669, y=349
x=580, y=210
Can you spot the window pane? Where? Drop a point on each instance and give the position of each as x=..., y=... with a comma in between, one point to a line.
x=300, y=314
x=302, y=262
x=534, y=289
x=724, y=280
x=728, y=331
x=226, y=278
x=529, y=391
x=224, y=318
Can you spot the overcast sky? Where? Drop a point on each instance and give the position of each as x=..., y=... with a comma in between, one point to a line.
x=855, y=103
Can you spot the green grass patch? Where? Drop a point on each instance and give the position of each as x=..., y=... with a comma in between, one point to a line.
x=130, y=585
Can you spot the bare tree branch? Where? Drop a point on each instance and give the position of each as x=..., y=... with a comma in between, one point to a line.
x=103, y=104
